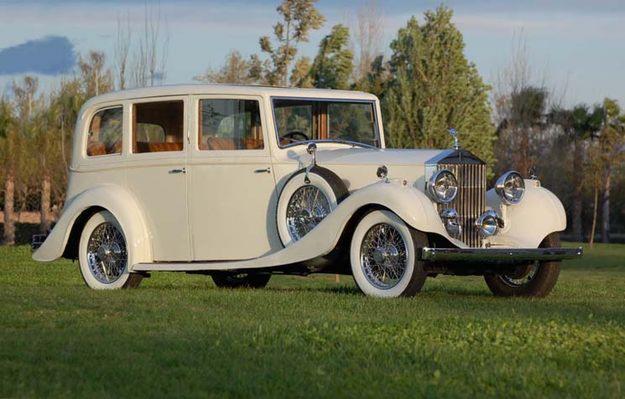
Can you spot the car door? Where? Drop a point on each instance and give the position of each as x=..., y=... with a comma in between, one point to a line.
x=156, y=173
x=232, y=187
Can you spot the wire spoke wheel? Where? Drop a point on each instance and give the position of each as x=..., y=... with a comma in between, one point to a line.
x=521, y=276
x=383, y=256
x=307, y=207
x=106, y=253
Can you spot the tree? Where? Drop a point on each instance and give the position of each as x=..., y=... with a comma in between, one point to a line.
x=368, y=33
x=434, y=88
x=142, y=62
x=376, y=81
x=579, y=125
x=612, y=152
x=97, y=79
x=236, y=69
x=333, y=64
x=9, y=153
x=301, y=74
x=123, y=44
x=19, y=168
x=299, y=17
x=520, y=132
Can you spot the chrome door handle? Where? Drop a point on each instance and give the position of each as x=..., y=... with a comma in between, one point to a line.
x=176, y=171
x=266, y=170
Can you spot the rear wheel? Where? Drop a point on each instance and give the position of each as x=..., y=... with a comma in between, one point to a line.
x=384, y=256
x=240, y=280
x=536, y=279
x=103, y=254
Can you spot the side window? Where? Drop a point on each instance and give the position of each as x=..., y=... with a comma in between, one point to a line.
x=230, y=125
x=158, y=126
x=105, y=132
x=294, y=119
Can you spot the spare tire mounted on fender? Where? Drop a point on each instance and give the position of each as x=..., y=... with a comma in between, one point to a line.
x=305, y=200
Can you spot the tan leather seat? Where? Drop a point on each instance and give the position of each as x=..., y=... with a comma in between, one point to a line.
x=253, y=144
x=221, y=144
x=143, y=146
x=96, y=148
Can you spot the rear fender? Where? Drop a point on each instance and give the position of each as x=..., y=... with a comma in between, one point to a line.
x=112, y=198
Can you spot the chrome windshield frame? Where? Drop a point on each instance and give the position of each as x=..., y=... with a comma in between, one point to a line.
x=376, y=122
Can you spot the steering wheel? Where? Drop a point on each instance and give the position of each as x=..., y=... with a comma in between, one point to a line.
x=291, y=136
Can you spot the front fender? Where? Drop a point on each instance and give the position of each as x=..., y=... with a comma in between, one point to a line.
x=114, y=199
x=407, y=202
x=539, y=214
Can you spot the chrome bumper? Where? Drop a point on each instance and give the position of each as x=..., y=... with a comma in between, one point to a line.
x=499, y=255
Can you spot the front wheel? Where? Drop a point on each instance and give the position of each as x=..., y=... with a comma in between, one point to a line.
x=534, y=280
x=384, y=256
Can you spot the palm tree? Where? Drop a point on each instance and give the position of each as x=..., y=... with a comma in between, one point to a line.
x=579, y=124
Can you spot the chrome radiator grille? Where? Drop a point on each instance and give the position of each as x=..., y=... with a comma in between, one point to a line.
x=470, y=201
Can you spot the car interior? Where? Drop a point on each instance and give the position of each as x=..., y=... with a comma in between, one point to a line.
x=158, y=126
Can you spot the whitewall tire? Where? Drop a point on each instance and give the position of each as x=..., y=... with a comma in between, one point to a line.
x=384, y=256
x=103, y=254
x=305, y=200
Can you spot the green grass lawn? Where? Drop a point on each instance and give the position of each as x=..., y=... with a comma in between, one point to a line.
x=177, y=335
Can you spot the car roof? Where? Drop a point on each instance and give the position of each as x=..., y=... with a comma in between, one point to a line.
x=199, y=89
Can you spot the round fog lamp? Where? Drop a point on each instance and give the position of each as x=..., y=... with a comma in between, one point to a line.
x=487, y=224
x=452, y=222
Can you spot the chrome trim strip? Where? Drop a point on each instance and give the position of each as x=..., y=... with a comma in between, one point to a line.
x=499, y=254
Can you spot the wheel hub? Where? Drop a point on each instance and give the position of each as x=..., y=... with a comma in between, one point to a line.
x=386, y=255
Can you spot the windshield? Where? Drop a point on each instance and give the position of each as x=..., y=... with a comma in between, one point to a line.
x=299, y=121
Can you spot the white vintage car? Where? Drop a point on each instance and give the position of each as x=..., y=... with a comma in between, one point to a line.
x=241, y=182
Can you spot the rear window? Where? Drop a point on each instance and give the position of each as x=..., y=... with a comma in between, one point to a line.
x=106, y=132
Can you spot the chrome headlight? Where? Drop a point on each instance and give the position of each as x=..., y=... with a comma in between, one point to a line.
x=443, y=186
x=510, y=187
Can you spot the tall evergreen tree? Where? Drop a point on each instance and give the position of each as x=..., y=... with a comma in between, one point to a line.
x=376, y=80
x=333, y=64
x=434, y=88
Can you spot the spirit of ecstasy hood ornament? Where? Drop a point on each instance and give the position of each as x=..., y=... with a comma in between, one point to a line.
x=454, y=134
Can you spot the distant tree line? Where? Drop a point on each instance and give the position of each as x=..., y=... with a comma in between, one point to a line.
x=426, y=86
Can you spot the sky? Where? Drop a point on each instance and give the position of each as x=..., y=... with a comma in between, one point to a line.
x=576, y=47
